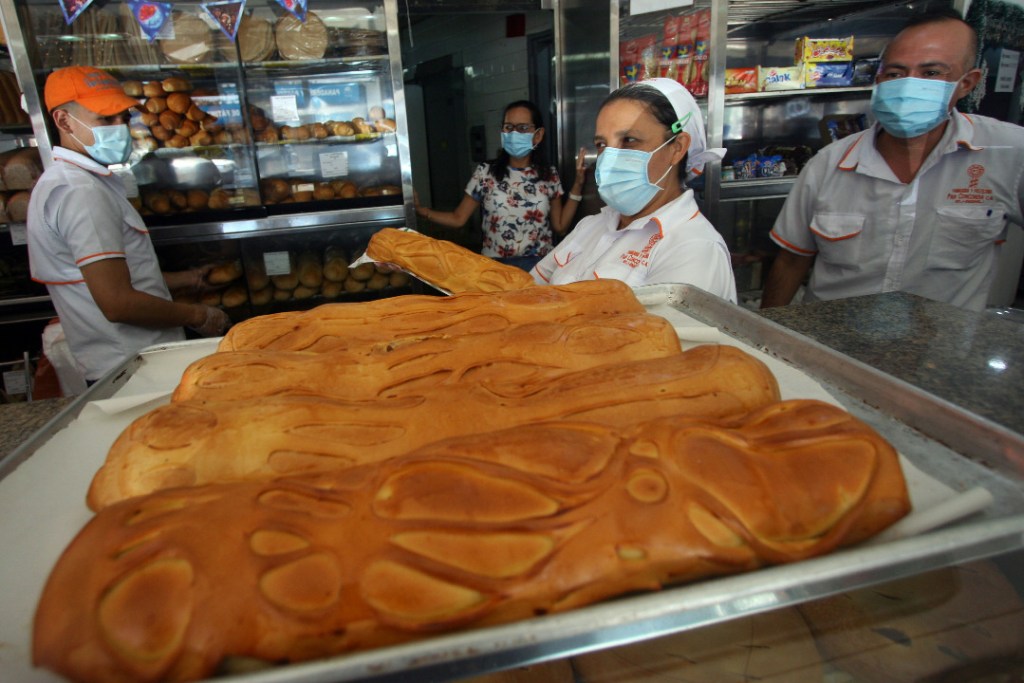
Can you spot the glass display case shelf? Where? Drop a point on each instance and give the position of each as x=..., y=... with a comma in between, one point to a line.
x=737, y=98
x=759, y=188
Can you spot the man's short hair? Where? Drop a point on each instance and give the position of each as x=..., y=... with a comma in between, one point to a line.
x=938, y=16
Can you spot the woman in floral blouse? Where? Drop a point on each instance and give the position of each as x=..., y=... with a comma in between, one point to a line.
x=520, y=193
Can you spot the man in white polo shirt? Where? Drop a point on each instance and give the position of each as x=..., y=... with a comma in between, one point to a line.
x=89, y=246
x=917, y=203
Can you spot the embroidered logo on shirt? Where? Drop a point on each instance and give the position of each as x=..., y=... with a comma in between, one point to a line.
x=634, y=259
x=973, y=193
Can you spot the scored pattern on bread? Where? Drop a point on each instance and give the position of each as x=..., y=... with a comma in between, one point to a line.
x=524, y=353
x=189, y=442
x=333, y=327
x=445, y=264
x=462, y=533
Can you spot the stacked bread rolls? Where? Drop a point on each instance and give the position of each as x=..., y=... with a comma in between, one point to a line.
x=169, y=117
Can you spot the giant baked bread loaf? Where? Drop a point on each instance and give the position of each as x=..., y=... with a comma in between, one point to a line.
x=190, y=442
x=524, y=353
x=333, y=327
x=444, y=264
x=463, y=533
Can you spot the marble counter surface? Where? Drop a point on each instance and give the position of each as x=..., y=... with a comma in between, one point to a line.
x=974, y=360
x=18, y=421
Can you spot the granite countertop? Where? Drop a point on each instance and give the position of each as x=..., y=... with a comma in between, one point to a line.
x=18, y=421
x=974, y=360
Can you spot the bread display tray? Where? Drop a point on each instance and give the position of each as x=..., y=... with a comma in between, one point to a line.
x=967, y=491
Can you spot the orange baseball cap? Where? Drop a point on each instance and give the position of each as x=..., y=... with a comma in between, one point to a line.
x=96, y=90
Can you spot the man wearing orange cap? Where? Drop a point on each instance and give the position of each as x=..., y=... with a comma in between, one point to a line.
x=87, y=243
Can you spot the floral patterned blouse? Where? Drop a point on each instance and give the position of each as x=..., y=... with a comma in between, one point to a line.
x=516, y=210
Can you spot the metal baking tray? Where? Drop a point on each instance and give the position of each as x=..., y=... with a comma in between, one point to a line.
x=960, y=449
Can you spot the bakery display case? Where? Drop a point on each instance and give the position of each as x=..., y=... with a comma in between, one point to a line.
x=295, y=126
x=777, y=80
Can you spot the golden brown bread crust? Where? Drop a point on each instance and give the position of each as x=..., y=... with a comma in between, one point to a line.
x=524, y=353
x=189, y=443
x=334, y=327
x=445, y=264
x=164, y=587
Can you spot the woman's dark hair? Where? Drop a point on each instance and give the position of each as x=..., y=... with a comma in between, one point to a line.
x=657, y=104
x=538, y=159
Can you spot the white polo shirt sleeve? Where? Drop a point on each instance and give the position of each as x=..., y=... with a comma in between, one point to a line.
x=90, y=223
x=792, y=229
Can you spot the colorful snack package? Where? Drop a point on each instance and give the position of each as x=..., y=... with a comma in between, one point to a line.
x=828, y=75
x=629, y=62
x=698, y=84
x=770, y=78
x=669, y=42
x=740, y=80
x=864, y=71
x=814, y=50
x=684, y=49
x=648, y=52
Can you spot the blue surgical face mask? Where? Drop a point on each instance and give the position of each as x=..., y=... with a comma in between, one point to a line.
x=909, y=107
x=622, y=179
x=517, y=144
x=111, y=144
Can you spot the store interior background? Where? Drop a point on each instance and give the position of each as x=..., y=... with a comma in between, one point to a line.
x=464, y=61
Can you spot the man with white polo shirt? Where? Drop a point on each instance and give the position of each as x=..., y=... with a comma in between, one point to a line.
x=917, y=203
x=87, y=243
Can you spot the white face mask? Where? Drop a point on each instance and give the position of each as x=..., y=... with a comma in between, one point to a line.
x=111, y=144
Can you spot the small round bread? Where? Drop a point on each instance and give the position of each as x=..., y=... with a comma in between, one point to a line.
x=294, y=133
x=223, y=137
x=147, y=144
x=187, y=128
x=330, y=289
x=378, y=281
x=362, y=272
x=376, y=113
x=223, y=273
x=170, y=120
x=345, y=189
x=156, y=105
x=323, y=191
x=210, y=299
x=194, y=113
x=133, y=88
x=275, y=189
x=197, y=199
x=201, y=139
x=148, y=118
x=288, y=281
x=282, y=294
x=262, y=297
x=303, y=196
x=385, y=125
x=176, y=84
x=177, y=142
x=179, y=202
x=398, y=279
x=157, y=202
x=179, y=102
x=256, y=275
x=303, y=292
x=353, y=285
x=268, y=134
x=152, y=89
x=161, y=133
x=138, y=132
x=235, y=295
x=220, y=199
x=342, y=128
x=318, y=131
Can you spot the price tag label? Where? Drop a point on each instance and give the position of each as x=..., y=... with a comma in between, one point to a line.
x=277, y=262
x=14, y=382
x=19, y=233
x=334, y=164
x=284, y=108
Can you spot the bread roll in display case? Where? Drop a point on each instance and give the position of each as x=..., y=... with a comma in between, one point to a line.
x=286, y=144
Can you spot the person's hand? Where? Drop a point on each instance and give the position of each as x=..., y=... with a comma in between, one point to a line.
x=581, y=171
x=215, y=323
x=200, y=274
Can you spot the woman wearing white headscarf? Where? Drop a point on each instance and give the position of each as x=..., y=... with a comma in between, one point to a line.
x=649, y=136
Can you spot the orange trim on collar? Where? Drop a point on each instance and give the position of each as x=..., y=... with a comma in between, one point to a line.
x=100, y=253
x=562, y=264
x=792, y=247
x=840, y=166
x=540, y=275
x=661, y=228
